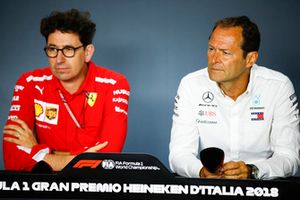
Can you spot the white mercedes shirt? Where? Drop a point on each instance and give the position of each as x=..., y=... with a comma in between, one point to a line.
x=261, y=127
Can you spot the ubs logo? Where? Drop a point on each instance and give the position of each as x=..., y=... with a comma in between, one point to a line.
x=208, y=97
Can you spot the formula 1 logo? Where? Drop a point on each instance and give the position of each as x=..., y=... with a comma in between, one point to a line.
x=87, y=163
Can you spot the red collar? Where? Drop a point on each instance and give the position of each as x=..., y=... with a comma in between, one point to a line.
x=87, y=85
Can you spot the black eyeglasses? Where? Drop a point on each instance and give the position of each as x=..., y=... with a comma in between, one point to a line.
x=68, y=51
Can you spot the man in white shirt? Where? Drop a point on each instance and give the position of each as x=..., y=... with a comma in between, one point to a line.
x=248, y=111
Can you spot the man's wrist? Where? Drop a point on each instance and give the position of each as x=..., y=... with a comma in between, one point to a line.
x=201, y=173
x=253, y=171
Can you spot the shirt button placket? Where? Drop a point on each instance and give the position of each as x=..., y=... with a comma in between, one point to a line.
x=234, y=131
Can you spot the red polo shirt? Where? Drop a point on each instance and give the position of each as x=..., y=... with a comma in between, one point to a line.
x=100, y=107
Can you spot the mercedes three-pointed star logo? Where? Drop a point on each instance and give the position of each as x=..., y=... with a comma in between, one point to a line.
x=208, y=97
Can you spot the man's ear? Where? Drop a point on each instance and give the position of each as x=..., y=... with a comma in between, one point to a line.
x=251, y=58
x=88, y=53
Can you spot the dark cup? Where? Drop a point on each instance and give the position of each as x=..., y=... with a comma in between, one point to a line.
x=212, y=158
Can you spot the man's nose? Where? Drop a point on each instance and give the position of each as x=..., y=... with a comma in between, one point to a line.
x=60, y=57
x=216, y=57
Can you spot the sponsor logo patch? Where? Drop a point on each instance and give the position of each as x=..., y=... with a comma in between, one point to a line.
x=19, y=87
x=38, y=108
x=39, y=89
x=51, y=112
x=120, y=100
x=207, y=97
x=15, y=98
x=120, y=110
x=46, y=112
x=121, y=91
x=257, y=116
x=105, y=80
x=15, y=108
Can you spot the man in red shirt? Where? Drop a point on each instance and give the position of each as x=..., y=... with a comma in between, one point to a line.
x=70, y=107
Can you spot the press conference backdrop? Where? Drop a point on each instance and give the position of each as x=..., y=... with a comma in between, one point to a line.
x=154, y=43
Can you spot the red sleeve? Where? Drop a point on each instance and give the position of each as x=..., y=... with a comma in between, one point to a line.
x=115, y=118
x=22, y=107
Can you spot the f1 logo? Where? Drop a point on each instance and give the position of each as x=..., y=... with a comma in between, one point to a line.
x=87, y=163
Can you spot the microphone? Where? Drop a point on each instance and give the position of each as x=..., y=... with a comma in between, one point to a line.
x=42, y=168
x=212, y=158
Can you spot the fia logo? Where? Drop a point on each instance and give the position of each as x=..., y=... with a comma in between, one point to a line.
x=108, y=164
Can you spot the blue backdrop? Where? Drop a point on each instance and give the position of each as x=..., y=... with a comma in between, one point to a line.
x=154, y=43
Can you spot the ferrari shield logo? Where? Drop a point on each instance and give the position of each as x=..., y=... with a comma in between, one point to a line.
x=91, y=98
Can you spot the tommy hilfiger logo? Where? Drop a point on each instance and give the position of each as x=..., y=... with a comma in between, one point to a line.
x=257, y=116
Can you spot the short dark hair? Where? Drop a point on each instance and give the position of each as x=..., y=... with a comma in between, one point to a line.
x=250, y=32
x=71, y=21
